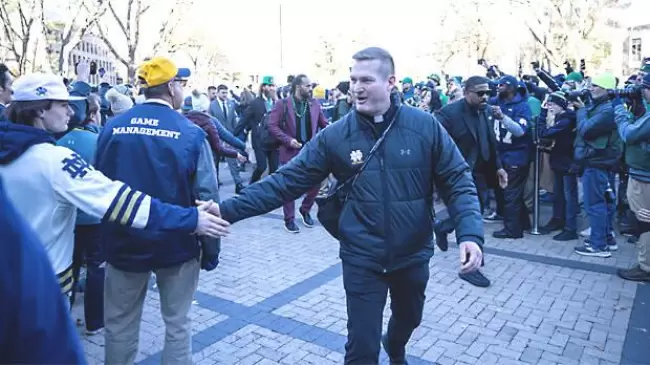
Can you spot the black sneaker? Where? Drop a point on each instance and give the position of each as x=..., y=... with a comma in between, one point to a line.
x=553, y=225
x=587, y=250
x=505, y=234
x=611, y=243
x=492, y=217
x=394, y=358
x=239, y=188
x=291, y=227
x=306, y=219
x=566, y=236
x=634, y=274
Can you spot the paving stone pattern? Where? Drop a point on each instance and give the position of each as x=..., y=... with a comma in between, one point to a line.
x=277, y=298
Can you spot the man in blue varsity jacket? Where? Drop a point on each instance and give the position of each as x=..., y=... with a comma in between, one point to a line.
x=35, y=327
x=159, y=151
x=512, y=113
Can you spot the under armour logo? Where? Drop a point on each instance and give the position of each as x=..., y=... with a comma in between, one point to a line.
x=41, y=91
x=405, y=152
x=356, y=157
x=76, y=166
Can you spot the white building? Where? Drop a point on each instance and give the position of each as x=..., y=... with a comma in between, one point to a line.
x=93, y=48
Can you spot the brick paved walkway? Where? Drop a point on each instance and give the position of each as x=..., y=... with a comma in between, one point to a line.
x=278, y=298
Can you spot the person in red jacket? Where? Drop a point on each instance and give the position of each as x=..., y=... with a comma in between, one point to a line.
x=304, y=117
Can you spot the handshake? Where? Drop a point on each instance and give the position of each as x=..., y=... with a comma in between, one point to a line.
x=210, y=223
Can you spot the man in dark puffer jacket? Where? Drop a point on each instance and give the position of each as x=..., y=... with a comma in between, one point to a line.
x=386, y=224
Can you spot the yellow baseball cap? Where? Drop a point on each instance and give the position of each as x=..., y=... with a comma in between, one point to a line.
x=157, y=71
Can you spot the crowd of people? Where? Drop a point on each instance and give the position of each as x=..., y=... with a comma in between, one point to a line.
x=138, y=166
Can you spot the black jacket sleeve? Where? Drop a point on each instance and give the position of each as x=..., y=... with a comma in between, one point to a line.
x=301, y=174
x=454, y=182
x=248, y=119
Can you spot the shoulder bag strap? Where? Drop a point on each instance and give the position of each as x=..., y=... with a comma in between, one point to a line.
x=353, y=179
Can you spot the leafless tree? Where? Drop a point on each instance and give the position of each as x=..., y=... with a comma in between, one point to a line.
x=19, y=20
x=564, y=29
x=85, y=13
x=129, y=17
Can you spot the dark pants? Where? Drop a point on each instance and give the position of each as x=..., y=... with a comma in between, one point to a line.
x=263, y=156
x=565, y=201
x=366, y=293
x=446, y=226
x=600, y=210
x=515, y=213
x=87, y=243
x=622, y=205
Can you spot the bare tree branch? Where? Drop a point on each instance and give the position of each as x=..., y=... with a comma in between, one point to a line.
x=117, y=18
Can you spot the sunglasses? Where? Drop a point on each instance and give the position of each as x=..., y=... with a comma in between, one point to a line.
x=482, y=92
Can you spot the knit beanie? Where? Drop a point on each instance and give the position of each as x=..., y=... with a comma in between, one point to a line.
x=118, y=101
x=558, y=99
x=575, y=76
x=605, y=81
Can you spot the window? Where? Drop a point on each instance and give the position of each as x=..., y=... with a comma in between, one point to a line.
x=636, y=52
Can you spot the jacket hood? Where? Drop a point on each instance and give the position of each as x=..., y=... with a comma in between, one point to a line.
x=15, y=139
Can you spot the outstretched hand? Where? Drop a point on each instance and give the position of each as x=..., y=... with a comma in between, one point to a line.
x=209, y=223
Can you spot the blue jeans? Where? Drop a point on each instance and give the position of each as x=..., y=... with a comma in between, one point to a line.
x=600, y=211
x=565, y=202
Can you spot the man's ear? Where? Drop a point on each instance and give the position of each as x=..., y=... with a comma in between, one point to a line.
x=392, y=80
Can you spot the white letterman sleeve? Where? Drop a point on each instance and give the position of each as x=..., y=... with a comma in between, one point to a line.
x=79, y=183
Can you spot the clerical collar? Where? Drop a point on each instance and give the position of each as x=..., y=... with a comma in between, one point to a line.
x=390, y=113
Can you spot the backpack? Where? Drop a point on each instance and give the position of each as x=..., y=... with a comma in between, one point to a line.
x=266, y=138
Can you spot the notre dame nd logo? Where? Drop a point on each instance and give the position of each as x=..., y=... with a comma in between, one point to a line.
x=76, y=166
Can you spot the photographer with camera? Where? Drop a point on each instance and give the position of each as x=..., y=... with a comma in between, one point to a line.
x=636, y=136
x=598, y=149
x=556, y=124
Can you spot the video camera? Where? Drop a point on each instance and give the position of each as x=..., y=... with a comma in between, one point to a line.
x=581, y=95
x=632, y=92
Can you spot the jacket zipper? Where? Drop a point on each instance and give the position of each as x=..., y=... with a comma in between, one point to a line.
x=384, y=187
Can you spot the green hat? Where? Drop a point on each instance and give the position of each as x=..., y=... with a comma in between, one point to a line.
x=645, y=66
x=435, y=77
x=407, y=80
x=268, y=80
x=575, y=76
x=605, y=81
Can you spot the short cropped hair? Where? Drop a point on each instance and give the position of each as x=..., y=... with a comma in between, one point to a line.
x=156, y=92
x=475, y=81
x=4, y=72
x=387, y=67
x=222, y=87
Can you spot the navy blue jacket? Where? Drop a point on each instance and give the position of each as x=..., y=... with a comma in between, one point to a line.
x=387, y=222
x=3, y=118
x=35, y=326
x=598, y=143
x=563, y=132
x=153, y=149
x=514, y=151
